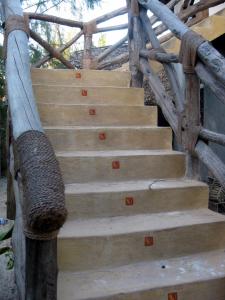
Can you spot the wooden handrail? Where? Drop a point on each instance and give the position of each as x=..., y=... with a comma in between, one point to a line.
x=185, y=120
x=39, y=191
x=206, y=52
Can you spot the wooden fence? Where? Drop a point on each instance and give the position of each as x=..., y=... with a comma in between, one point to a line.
x=31, y=202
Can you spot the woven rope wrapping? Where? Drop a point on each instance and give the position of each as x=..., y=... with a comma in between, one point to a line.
x=15, y=22
x=44, y=201
x=188, y=51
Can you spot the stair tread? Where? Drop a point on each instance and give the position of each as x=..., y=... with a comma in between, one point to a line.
x=138, y=223
x=115, y=153
x=97, y=187
x=114, y=127
x=86, y=86
x=142, y=276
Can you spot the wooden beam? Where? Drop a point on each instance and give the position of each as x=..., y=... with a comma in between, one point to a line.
x=169, y=68
x=162, y=98
x=120, y=59
x=54, y=19
x=200, y=6
x=212, y=161
x=24, y=113
x=159, y=56
x=211, y=136
x=111, y=28
x=111, y=49
x=53, y=52
x=60, y=49
x=209, y=79
x=113, y=14
x=206, y=52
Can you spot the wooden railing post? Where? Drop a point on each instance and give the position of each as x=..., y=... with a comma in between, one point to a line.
x=136, y=42
x=191, y=124
x=88, y=29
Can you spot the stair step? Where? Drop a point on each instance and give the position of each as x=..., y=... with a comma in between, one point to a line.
x=97, y=115
x=111, y=242
x=86, y=166
x=110, y=199
x=66, y=94
x=200, y=277
x=80, y=77
x=109, y=138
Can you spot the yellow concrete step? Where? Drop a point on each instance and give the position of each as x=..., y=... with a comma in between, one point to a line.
x=67, y=94
x=80, y=77
x=96, y=115
x=86, y=166
x=112, y=242
x=109, y=138
x=200, y=277
x=110, y=199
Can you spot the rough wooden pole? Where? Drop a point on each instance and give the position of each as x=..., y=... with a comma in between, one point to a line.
x=191, y=124
x=89, y=29
x=206, y=52
x=136, y=42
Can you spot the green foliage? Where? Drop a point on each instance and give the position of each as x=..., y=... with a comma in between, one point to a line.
x=102, y=40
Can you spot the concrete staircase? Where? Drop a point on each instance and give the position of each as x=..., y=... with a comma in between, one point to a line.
x=137, y=229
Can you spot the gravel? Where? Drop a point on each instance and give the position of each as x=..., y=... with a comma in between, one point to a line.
x=7, y=282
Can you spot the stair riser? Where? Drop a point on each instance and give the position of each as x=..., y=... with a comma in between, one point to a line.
x=95, y=95
x=81, y=77
x=85, y=169
x=100, y=115
x=79, y=254
x=94, y=205
x=207, y=290
x=109, y=139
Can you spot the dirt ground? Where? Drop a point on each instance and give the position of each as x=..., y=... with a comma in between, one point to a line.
x=7, y=284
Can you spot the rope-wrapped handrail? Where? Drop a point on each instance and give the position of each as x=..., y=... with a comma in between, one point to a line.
x=44, y=205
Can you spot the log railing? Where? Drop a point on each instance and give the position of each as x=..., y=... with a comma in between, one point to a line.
x=40, y=208
x=35, y=183
x=201, y=63
x=190, y=14
x=87, y=30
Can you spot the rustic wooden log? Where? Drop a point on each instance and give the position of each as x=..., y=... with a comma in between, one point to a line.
x=169, y=68
x=211, y=136
x=41, y=278
x=217, y=87
x=111, y=28
x=35, y=261
x=54, y=19
x=163, y=100
x=159, y=56
x=109, y=50
x=212, y=161
x=200, y=6
x=11, y=203
x=120, y=59
x=209, y=55
x=60, y=49
x=136, y=42
x=22, y=104
x=191, y=123
x=171, y=4
x=26, y=121
x=113, y=14
x=51, y=50
x=87, y=53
